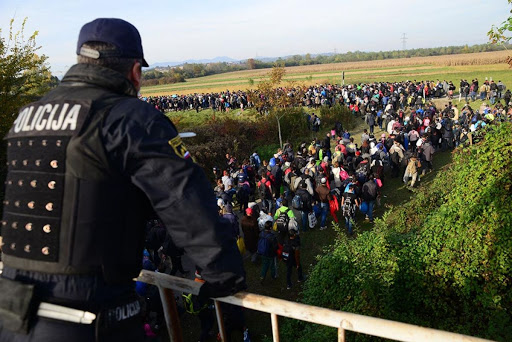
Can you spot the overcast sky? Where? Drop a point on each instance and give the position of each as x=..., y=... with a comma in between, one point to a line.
x=200, y=29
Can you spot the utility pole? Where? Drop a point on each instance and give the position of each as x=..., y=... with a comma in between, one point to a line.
x=404, y=41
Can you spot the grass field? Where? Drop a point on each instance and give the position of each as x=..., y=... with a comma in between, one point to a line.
x=450, y=67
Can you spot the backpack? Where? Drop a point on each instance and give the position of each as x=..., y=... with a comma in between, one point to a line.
x=302, y=183
x=287, y=251
x=343, y=174
x=242, y=194
x=264, y=191
x=369, y=191
x=266, y=245
x=297, y=202
x=282, y=221
x=292, y=182
x=395, y=158
x=293, y=225
x=348, y=207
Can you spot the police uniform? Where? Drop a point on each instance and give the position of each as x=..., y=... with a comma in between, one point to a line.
x=85, y=165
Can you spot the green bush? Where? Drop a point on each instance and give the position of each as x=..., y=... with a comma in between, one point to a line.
x=443, y=260
x=330, y=115
x=241, y=136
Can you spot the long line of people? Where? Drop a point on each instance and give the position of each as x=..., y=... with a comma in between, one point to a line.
x=398, y=95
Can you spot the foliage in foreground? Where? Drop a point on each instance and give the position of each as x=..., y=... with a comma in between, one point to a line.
x=24, y=76
x=443, y=260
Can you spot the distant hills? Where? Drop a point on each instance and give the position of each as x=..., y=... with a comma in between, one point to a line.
x=226, y=59
x=219, y=59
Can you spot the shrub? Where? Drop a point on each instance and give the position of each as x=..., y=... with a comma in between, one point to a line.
x=241, y=137
x=443, y=260
x=339, y=113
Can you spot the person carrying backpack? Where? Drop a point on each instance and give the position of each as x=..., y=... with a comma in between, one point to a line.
x=369, y=194
x=306, y=204
x=265, y=190
x=282, y=219
x=251, y=232
x=324, y=196
x=291, y=256
x=411, y=171
x=267, y=248
x=277, y=172
x=243, y=192
x=305, y=179
x=349, y=202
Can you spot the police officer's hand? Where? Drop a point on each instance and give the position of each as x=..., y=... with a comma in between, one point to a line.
x=209, y=290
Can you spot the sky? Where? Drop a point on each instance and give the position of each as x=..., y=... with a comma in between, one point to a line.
x=199, y=29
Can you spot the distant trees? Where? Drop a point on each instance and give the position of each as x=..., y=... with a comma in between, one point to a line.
x=251, y=63
x=180, y=73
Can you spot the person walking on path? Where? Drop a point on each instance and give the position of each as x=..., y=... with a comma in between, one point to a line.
x=324, y=196
x=291, y=256
x=251, y=232
x=267, y=249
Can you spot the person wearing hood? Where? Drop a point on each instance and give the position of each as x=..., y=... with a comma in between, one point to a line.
x=251, y=232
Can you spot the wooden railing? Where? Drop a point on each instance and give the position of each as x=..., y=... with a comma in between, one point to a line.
x=278, y=307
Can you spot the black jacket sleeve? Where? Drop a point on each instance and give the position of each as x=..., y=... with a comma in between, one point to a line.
x=145, y=147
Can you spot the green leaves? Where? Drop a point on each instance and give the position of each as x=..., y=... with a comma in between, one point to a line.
x=24, y=76
x=443, y=260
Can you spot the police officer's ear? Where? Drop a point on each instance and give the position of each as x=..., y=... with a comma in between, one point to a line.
x=135, y=74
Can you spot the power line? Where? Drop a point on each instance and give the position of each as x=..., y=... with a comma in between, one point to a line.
x=404, y=41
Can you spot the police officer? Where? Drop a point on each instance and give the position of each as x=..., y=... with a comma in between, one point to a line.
x=86, y=164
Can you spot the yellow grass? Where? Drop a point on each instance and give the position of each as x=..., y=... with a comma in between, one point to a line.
x=378, y=70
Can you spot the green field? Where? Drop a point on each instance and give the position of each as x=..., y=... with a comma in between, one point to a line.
x=386, y=70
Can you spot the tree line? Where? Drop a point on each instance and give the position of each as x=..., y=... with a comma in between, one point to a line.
x=180, y=73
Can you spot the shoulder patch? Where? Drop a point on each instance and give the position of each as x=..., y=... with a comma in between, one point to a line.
x=179, y=148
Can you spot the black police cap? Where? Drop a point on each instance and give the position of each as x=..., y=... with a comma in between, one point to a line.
x=118, y=32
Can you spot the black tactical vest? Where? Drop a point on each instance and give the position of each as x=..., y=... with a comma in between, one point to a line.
x=66, y=209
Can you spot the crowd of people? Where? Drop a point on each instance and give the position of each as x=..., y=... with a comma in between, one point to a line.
x=272, y=204
x=399, y=95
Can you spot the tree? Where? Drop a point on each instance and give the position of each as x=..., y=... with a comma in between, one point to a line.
x=272, y=97
x=24, y=76
x=251, y=63
x=502, y=34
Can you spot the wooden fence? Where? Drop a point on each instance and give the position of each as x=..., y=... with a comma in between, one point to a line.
x=340, y=320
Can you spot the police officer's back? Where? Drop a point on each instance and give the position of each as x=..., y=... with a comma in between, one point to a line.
x=86, y=163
